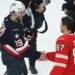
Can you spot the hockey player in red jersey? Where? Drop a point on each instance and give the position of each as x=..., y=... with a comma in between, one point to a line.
x=64, y=57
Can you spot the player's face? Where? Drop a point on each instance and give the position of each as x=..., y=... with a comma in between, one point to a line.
x=21, y=14
x=62, y=27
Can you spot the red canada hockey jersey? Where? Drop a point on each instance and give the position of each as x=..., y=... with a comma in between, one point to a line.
x=64, y=57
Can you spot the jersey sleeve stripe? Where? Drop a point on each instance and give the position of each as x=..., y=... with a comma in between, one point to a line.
x=23, y=50
x=2, y=29
x=61, y=65
x=62, y=56
x=10, y=50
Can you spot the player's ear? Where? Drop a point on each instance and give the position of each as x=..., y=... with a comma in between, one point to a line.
x=13, y=12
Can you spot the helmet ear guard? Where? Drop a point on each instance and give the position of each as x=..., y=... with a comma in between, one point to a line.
x=17, y=6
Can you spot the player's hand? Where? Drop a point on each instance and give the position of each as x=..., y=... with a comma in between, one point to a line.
x=29, y=34
x=40, y=9
x=43, y=57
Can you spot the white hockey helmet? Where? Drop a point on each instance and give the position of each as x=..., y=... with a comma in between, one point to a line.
x=17, y=6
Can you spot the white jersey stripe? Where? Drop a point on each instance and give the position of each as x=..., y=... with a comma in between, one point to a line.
x=61, y=56
x=12, y=51
x=10, y=48
x=60, y=65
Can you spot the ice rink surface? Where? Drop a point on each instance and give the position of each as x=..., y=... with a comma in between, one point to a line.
x=45, y=42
